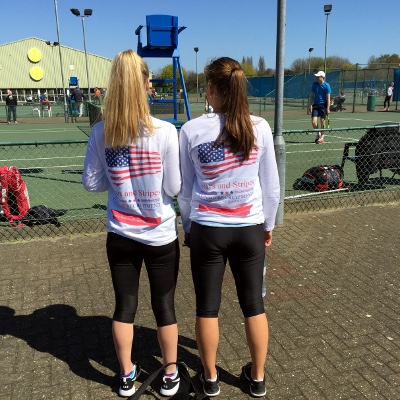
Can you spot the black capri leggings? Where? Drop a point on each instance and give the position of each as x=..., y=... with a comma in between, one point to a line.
x=387, y=100
x=244, y=247
x=125, y=257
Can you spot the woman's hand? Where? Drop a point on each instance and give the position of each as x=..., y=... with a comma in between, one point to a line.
x=186, y=242
x=268, y=238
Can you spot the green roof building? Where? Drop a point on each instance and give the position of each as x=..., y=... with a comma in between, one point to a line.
x=32, y=66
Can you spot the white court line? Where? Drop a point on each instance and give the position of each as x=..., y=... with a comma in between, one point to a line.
x=339, y=137
x=365, y=120
x=41, y=130
x=313, y=150
x=315, y=193
x=66, y=159
x=296, y=121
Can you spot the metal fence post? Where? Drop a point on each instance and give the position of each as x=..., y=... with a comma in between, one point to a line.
x=355, y=89
x=279, y=142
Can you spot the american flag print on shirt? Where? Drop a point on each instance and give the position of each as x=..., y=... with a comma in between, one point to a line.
x=219, y=159
x=131, y=162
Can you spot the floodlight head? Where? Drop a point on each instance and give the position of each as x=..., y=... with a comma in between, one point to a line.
x=327, y=8
x=196, y=49
x=311, y=49
x=75, y=11
x=87, y=12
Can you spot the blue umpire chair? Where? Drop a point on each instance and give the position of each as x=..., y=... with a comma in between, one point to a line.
x=162, y=42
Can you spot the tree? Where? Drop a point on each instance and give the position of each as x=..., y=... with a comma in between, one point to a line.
x=336, y=62
x=317, y=63
x=249, y=60
x=261, y=66
x=299, y=65
x=167, y=73
x=269, y=72
x=191, y=81
x=249, y=70
x=384, y=59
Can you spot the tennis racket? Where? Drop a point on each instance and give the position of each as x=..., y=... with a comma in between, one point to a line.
x=328, y=122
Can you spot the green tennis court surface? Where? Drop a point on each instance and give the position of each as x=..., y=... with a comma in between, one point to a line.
x=25, y=131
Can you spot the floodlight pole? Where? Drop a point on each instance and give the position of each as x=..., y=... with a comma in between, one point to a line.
x=86, y=56
x=309, y=59
x=61, y=64
x=87, y=13
x=196, y=49
x=52, y=45
x=327, y=10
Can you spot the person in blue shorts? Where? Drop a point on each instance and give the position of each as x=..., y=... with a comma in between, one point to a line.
x=320, y=100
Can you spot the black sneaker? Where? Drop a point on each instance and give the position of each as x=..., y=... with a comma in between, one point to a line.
x=126, y=383
x=257, y=389
x=210, y=388
x=169, y=385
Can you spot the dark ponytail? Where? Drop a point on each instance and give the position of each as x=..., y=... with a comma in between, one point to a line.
x=230, y=82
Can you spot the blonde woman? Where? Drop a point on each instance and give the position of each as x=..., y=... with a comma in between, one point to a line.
x=134, y=157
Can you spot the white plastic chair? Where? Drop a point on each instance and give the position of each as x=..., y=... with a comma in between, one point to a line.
x=48, y=110
x=35, y=109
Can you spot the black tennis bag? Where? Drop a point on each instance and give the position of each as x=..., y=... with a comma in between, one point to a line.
x=40, y=215
x=186, y=389
x=321, y=178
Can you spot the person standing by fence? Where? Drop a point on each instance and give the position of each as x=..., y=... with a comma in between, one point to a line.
x=77, y=96
x=388, y=97
x=320, y=102
x=11, y=103
x=135, y=157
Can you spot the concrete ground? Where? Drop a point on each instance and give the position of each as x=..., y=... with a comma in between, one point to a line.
x=333, y=304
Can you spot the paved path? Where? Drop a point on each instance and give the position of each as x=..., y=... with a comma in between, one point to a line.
x=333, y=305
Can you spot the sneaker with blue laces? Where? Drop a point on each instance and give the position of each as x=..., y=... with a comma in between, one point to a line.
x=126, y=382
x=170, y=384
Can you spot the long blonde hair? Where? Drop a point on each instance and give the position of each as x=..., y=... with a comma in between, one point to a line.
x=227, y=76
x=125, y=108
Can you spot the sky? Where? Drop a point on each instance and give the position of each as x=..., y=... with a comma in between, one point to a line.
x=357, y=29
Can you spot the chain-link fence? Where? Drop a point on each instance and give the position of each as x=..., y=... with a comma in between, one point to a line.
x=366, y=159
x=52, y=173
x=362, y=89
x=369, y=157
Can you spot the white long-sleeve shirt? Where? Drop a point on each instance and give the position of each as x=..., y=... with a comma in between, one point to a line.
x=141, y=180
x=221, y=188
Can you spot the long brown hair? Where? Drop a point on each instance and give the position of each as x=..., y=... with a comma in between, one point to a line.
x=125, y=107
x=227, y=76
